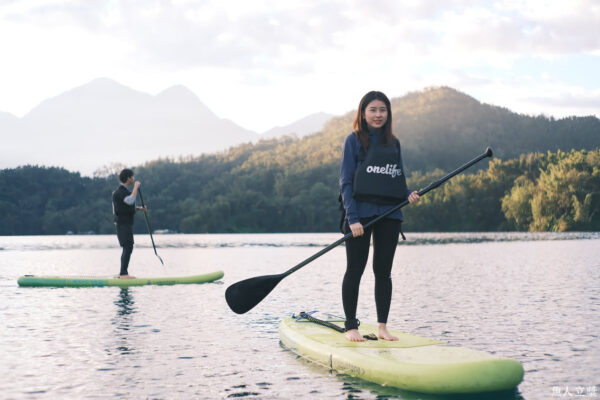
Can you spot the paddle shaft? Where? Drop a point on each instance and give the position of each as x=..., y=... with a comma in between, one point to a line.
x=431, y=186
x=148, y=225
x=244, y=295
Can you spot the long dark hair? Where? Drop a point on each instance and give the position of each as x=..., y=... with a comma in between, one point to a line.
x=361, y=130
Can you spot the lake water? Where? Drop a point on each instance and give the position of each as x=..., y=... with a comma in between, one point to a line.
x=531, y=297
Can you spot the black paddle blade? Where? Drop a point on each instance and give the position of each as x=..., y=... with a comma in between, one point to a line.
x=242, y=296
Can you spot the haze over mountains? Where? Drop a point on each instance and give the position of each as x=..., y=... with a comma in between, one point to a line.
x=104, y=122
x=305, y=126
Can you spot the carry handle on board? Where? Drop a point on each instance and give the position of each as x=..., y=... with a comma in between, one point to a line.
x=242, y=296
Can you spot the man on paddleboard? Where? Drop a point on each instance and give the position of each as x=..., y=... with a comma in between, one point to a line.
x=123, y=201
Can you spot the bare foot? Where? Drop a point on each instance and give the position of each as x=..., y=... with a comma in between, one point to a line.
x=384, y=334
x=354, y=336
x=126, y=277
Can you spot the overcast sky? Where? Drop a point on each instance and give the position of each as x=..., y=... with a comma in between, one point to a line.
x=267, y=63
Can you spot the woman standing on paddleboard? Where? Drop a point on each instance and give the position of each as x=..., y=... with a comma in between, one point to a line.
x=372, y=181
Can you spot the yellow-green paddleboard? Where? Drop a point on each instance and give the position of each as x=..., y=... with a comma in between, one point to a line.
x=88, y=281
x=411, y=363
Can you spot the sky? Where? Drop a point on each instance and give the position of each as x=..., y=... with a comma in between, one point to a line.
x=267, y=63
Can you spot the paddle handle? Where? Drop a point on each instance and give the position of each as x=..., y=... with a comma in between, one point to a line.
x=431, y=186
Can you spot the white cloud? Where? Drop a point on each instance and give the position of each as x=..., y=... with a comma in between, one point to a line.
x=310, y=55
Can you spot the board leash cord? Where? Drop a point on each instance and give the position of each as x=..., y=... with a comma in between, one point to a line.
x=328, y=324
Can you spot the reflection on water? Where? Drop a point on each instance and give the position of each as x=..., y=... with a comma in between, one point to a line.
x=125, y=303
x=355, y=388
x=123, y=320
x=531, y=297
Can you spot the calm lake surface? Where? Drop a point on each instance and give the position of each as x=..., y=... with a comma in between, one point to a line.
x=531, y=297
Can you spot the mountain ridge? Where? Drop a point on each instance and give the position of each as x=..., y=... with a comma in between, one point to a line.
x=103, y=122
x=437, y=127
x=310, y=124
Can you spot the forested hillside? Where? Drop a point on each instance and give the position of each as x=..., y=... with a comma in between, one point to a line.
x=291, y=185
x=441, y=127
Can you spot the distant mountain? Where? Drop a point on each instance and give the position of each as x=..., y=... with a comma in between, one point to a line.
x=305, y=126
x=9, y=136
x=4, y=116
x=104, y=122
x=291, y=184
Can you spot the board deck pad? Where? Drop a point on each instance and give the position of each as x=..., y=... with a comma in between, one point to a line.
x=326, y=335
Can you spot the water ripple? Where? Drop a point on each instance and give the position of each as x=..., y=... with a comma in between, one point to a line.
x=530, y=297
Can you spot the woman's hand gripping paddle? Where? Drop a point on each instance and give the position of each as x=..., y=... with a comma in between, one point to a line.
x=148, y=225
x=244, y=295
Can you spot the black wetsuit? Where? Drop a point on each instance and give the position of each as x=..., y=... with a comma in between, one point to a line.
x=124, y=224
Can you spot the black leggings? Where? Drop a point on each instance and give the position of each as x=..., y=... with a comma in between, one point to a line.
x=125, y=256
x=125, y=236
x=385, y=240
